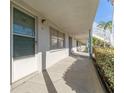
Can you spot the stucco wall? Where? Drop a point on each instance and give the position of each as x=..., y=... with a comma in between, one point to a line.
x=23, y=67
x=54, y=56
x=49, y=57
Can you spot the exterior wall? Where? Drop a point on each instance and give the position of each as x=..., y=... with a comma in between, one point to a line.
x=53, y=56
x=23, y=67
x=49, y=57
x=44, y=57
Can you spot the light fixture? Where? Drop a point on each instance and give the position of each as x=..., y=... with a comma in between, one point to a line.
x=43, y=20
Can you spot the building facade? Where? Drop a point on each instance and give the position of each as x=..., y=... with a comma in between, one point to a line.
x=36, y=42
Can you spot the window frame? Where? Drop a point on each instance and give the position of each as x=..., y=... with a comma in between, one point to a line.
x=35, y=37
x=51, y=47
x=63, y=39
x=58, y=37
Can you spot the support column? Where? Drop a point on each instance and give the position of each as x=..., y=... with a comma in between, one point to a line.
x=90, y=43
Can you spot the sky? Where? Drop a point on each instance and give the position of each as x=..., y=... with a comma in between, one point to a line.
x=104, y=11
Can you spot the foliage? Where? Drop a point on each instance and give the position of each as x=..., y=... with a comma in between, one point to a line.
x=105, y=61
x=99, y=43
x=105, y=25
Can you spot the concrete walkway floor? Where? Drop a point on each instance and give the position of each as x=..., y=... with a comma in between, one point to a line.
x=71, y=75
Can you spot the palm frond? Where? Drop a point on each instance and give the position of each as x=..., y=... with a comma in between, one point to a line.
x=109, y=25
x=105, y=25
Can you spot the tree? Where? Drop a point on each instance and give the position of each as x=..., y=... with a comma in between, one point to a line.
x=109, y=26
x=105, y=26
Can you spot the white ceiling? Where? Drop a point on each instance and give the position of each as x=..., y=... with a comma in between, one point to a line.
x=74, y=16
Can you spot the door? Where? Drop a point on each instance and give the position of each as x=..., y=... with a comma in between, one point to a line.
x=70, y=45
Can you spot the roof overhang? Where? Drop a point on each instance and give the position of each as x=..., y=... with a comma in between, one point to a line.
x=73, y=16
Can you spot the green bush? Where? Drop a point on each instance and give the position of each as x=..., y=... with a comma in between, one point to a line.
x=105, y=61
x=99, y=43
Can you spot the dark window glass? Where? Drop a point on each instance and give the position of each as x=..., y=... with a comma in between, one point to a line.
x=23, y=23
x=23, y=46
x=23, y=34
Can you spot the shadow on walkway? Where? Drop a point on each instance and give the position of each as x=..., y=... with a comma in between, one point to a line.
x=81, y=77
x=49, y=84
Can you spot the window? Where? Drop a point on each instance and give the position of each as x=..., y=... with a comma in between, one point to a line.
x=61, y=40
x=57, y=39
x=53, y=35
x=23, y=34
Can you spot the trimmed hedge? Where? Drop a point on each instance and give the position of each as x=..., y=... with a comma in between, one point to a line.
x=105, y=61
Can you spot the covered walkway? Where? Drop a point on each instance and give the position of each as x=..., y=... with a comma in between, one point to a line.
x=75, y=74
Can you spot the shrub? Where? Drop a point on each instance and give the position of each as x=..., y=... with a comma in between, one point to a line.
x=105, y=61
